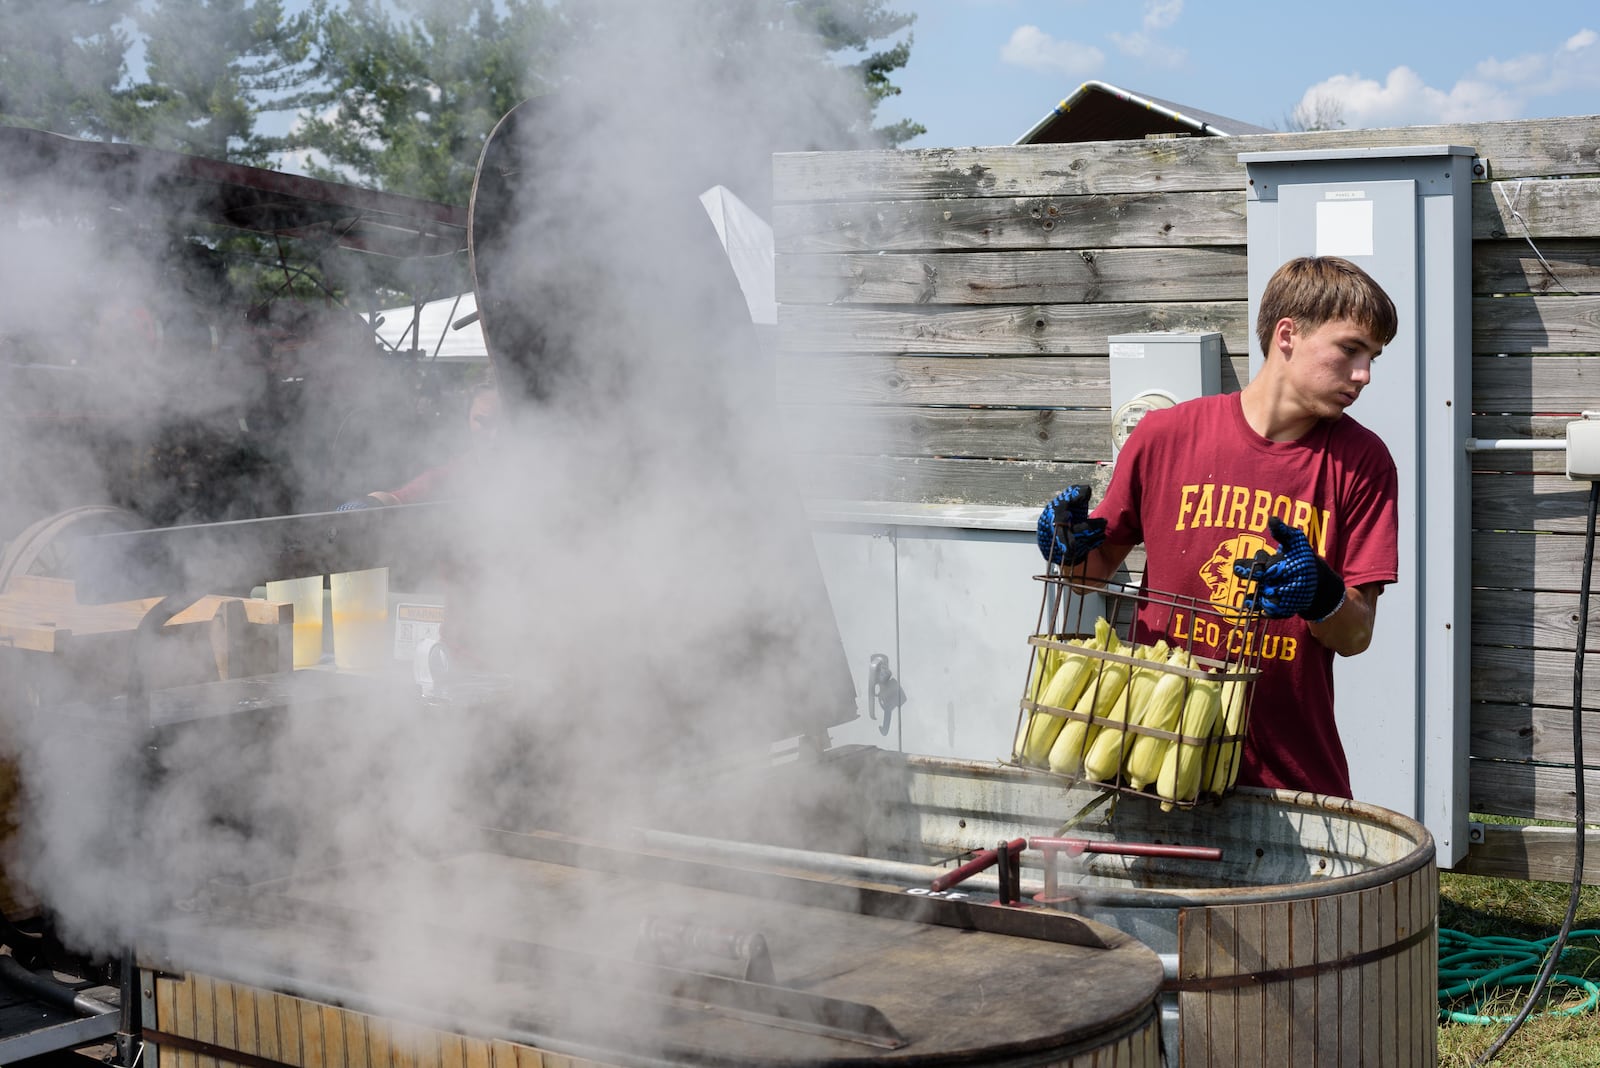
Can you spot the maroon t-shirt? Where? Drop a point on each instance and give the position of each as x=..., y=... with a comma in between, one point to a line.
x=1196, y=484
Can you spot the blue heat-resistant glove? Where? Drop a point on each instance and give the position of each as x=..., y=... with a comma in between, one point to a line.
x=1066, y=534
x=1295, y=581
x=357, y=505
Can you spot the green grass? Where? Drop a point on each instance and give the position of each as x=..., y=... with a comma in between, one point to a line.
x=1479, y=906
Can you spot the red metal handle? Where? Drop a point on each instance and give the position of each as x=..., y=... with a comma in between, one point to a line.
x=1074, y=846
x=985, y=858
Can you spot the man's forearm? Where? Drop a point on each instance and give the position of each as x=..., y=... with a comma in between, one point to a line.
x=1349, y=630
x=1103, y=562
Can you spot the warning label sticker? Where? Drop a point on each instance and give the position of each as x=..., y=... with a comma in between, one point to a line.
x=412, y=624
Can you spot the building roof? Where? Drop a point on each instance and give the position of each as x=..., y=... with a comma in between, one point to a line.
x=1099, y=111
x=154, y=182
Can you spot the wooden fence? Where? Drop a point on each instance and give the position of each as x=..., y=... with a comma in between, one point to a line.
x=943, y=325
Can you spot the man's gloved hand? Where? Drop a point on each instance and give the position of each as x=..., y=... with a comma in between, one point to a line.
x=1293, y=582
x=357, y=505
x=1066, y=534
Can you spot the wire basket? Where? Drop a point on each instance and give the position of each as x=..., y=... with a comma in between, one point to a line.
x=1167, y=718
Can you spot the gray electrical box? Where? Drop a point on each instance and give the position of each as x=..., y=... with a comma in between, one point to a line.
x=1158, y=370
x=1404, y=216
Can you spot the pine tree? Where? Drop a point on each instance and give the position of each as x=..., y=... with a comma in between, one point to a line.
x=212, y=67
x=412, y=88
x=61, y=63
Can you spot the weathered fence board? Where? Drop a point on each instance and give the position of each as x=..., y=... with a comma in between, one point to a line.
x=1569, y=265
x=1520, y=732
x=1505, y=501
x=1060, y=329
x=1543, y=853
x=1520, y=149
x=1035, y=381
x=1057, y=276
x=963, y=433
x=1558, y=324
x=1536, y=208
x=1177, y=217
x=1166, y=220
x=1512, y=384
x=1534, y=384
x=1021, y=381
x=1514, y=560
x=942, y=481
x=1505, y=675
x=1536, y=324
x=1529, y=618
x=1527, y=791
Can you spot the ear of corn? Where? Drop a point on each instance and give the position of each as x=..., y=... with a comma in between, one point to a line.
x=1161, y=711
x=1066, y=686
x=1222, y=767
x=1181, y=765
x=1045, y=663
x=1104, y=758
x=1041, y=727
x=1098, y=699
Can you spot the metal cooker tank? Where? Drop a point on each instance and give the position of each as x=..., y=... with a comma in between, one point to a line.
x=637, y=957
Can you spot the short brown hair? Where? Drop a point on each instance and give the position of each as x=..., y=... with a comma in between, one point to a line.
x=1313, y=290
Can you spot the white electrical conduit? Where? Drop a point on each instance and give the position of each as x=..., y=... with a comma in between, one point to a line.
x=1516, y=445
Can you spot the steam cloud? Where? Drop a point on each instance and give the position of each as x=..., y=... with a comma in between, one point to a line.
x=635, y=556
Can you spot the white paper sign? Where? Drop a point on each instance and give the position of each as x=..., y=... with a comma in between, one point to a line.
x=1344, y=228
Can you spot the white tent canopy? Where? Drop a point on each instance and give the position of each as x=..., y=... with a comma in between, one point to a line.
x=393, y=327
x=746, y=237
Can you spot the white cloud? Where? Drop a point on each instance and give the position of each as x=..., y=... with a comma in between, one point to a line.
x=1160, y=14
x=1032, y=48
x=1403, y=99
x=1143, y=46
x=1143, y=43
x=1494, y=89
x=1580, y=40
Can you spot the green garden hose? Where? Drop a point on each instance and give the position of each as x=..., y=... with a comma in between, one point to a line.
x=1477, y=965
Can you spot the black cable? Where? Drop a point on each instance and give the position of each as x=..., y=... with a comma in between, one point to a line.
x=1559, y=946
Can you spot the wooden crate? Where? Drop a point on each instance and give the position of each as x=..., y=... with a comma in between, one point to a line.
x=55, y=652
x=62, y=651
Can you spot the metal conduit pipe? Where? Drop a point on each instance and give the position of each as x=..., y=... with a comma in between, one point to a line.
x=1516, y=445
x=49, y=990
x=890, y=871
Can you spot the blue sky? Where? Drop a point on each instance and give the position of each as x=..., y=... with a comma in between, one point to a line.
x=984, y=71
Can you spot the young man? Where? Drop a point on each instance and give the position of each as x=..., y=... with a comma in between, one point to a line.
x=1206, y=484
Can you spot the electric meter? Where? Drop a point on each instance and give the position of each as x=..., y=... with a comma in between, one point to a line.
x=1128, y=416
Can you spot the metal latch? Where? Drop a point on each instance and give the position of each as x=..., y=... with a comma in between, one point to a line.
x=883, y=688
x=691, y=945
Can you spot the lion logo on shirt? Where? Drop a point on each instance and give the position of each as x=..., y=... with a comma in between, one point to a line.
x=1226, y=588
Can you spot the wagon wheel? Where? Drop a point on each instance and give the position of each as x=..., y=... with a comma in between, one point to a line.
x=47, y=547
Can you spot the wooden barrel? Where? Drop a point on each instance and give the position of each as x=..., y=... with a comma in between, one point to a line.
x=636, y=960
x=1327, y=979
x=201, y=1020
x=1312, y=941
